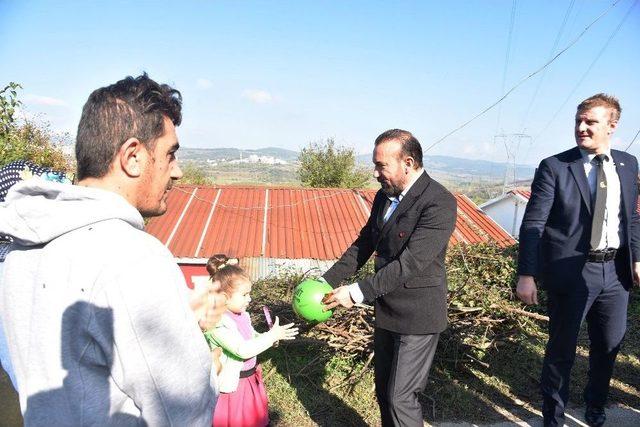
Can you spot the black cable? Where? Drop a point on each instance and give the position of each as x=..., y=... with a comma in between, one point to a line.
x=632, y=141
x=514, y=6
x=586, y=73
x=490, y=107
x=553, y=49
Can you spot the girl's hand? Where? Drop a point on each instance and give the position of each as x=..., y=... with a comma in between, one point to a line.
x=284, y=332
x=208, y=303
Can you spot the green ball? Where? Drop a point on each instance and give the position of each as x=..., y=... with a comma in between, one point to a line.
x=307, y=300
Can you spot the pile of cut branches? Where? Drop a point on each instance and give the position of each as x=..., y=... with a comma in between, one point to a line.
x=483, y=312
x=348, y=331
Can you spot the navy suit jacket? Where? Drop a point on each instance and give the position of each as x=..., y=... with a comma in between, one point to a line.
x=556, y=227
x=410, y=285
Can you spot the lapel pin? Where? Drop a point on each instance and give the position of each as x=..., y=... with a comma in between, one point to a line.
x=621, y=164
x=402, y=234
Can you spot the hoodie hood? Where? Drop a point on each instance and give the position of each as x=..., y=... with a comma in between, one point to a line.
x=37, y=211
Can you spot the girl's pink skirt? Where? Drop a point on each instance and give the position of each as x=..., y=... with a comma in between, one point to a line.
x=245, y=407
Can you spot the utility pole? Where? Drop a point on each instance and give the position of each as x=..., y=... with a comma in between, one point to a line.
x=511, y=142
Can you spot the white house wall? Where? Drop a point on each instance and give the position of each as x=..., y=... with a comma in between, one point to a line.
x=260, y=268
x=507, y=212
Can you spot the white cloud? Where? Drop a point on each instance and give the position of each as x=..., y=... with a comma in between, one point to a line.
x=44, y=100
x=257, y=96
x=203, y=83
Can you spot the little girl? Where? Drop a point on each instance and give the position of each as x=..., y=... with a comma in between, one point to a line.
x=243, y=398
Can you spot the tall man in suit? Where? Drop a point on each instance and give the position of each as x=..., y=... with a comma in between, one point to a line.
x=411, y=220
x=580, y=239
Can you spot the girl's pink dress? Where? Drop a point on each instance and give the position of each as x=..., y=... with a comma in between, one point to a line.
x=248, y=405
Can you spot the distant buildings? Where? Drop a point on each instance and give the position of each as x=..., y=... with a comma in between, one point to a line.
x=253, y=158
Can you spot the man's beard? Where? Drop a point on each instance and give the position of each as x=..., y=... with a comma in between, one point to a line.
x=390, y=190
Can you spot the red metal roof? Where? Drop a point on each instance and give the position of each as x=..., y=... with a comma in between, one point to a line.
x=289, y=223
x=474, y=226
x=312, y=223
x=526, y=193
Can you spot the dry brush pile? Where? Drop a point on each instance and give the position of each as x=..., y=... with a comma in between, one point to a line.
x=483, y=311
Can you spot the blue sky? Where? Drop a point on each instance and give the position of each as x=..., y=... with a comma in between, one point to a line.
x=283, y=73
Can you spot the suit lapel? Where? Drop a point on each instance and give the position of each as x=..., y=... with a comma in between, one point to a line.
x=407, y=201
x=385, y=202
x=577, y=169
x=626, y=177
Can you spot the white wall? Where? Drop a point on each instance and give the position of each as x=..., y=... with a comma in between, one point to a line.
x=504, y=211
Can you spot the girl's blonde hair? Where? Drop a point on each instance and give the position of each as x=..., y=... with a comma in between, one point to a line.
x=224, y=271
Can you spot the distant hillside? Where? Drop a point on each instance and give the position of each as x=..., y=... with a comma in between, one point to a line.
x=235, y=153
x=451, y=169
x=464, y=167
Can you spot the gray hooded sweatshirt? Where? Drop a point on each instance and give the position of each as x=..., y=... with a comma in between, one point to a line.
x=96, y=314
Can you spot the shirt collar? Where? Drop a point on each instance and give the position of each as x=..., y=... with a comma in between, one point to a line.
x=408, y=187
x=588, y=157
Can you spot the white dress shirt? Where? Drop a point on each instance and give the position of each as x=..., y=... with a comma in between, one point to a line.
x=354, y=288
x=612, y=216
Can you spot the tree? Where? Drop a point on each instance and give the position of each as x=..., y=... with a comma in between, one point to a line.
x=194, y=175
x=323, y=164
x=28, y=140
x=8, y=104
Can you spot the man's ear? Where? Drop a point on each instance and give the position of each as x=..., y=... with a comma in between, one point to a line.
x=408, y=163
x=131, y=157
x=613, y=124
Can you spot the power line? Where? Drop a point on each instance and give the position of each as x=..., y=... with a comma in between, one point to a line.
x=514, y=6
x=553, y=49
x=632, y=141
x=261, y=207
x=490, y=107
x=586, y=73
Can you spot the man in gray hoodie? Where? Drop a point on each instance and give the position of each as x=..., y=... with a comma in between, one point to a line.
x=96, y=312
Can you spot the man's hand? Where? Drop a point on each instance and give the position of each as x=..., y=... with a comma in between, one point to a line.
x=636, y=274
x=527, y=290
x=339, y=296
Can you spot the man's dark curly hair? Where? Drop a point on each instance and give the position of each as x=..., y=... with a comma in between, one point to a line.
x=130, y=108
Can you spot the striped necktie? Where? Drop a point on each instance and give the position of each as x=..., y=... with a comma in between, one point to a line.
x=600, y=203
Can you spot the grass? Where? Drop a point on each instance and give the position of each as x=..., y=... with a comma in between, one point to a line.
x=308, y=382
x=305, y=383
x=9, y=407
x=304, y=394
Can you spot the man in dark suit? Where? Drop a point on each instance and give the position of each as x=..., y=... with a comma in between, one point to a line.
x=580, y=239
x=411, y=220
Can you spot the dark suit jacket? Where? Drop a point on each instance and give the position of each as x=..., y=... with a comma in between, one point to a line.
x=556, y=228
x=409, y=287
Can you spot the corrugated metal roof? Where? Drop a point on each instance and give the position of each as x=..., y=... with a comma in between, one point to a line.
x=260, y=268
x=522, y=192
x=312, y=223
x=474, y=226
x=285, y=223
